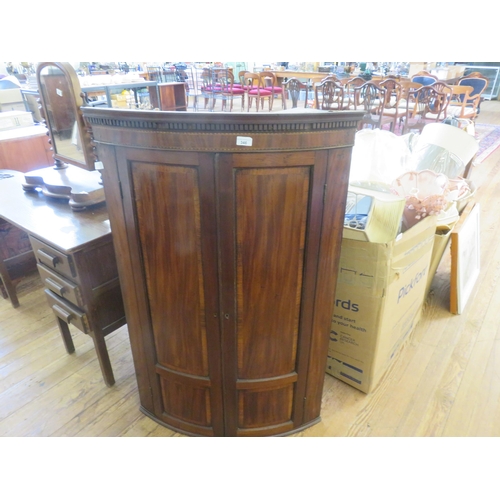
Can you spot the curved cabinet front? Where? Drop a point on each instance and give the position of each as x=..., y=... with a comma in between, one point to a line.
x=228, y=257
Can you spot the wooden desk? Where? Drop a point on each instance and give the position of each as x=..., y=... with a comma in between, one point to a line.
x=76, y=260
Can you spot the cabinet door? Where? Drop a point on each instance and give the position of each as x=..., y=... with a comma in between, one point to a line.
x=226, y=256
x=271, y=209
x=170, y=217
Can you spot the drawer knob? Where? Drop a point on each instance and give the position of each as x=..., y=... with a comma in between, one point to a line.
x=55, y=287
x=46, y=258
x=62, y=313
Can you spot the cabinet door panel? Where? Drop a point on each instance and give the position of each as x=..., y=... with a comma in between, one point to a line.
x=271, y=216
x=171, y=209
x=168, y=197
x=264, y=218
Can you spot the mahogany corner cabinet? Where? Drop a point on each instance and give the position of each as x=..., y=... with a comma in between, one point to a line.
x=227, y=230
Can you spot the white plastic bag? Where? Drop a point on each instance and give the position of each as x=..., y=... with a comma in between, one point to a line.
x=379, y=157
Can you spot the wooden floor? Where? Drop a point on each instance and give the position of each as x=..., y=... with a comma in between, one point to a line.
x=445, y=382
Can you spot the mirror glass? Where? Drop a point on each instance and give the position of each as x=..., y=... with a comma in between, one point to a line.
x=60, y=94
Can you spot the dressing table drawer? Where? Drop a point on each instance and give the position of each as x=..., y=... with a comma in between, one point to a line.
x=68, y=312
x=53, y=259
x=61, y=286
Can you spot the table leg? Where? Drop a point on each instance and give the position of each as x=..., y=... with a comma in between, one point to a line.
x=103, y=357
x=66, y=335
x=7, y=283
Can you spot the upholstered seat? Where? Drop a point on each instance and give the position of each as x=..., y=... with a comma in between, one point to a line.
x=270, y=82
x=255, y=90
x=219, y=84
x=424, y=78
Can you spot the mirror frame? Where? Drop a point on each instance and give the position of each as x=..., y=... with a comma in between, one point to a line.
x=77, y=100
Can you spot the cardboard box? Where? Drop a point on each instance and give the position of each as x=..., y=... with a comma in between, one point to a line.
x=379, y=297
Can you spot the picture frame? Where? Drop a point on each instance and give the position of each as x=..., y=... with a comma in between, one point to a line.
x=465, y=257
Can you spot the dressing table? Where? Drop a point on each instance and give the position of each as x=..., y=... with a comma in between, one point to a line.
x=68, y=227
x=75, y=257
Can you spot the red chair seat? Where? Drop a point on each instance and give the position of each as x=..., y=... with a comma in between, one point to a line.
x=261, y=92
x=276, y=90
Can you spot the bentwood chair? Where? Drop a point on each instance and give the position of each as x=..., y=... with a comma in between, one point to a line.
x=255, y=90
x=218, y=84
x=329, y=95
x=193, y=86
x=270, y=82
x=291, y=90
x=223, y=88
x=430, y=106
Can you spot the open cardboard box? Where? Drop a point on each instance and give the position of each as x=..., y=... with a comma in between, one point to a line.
x=380, y=292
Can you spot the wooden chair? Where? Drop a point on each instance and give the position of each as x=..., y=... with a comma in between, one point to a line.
x=371, y=99
x=329, y=95
x=225, y=90
x=206, y=86
x=391, y=107
x=350, y=85
x=270, y=82
x=408, y=91
x=444, y=88
x=478, y=82
x=219, y=84
x=241, y=79
x=255, y=90
x=424, y=78
x=193, y=86
x=291, y=90
x=430, y=106
x=461, y=104
x=154, y=73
